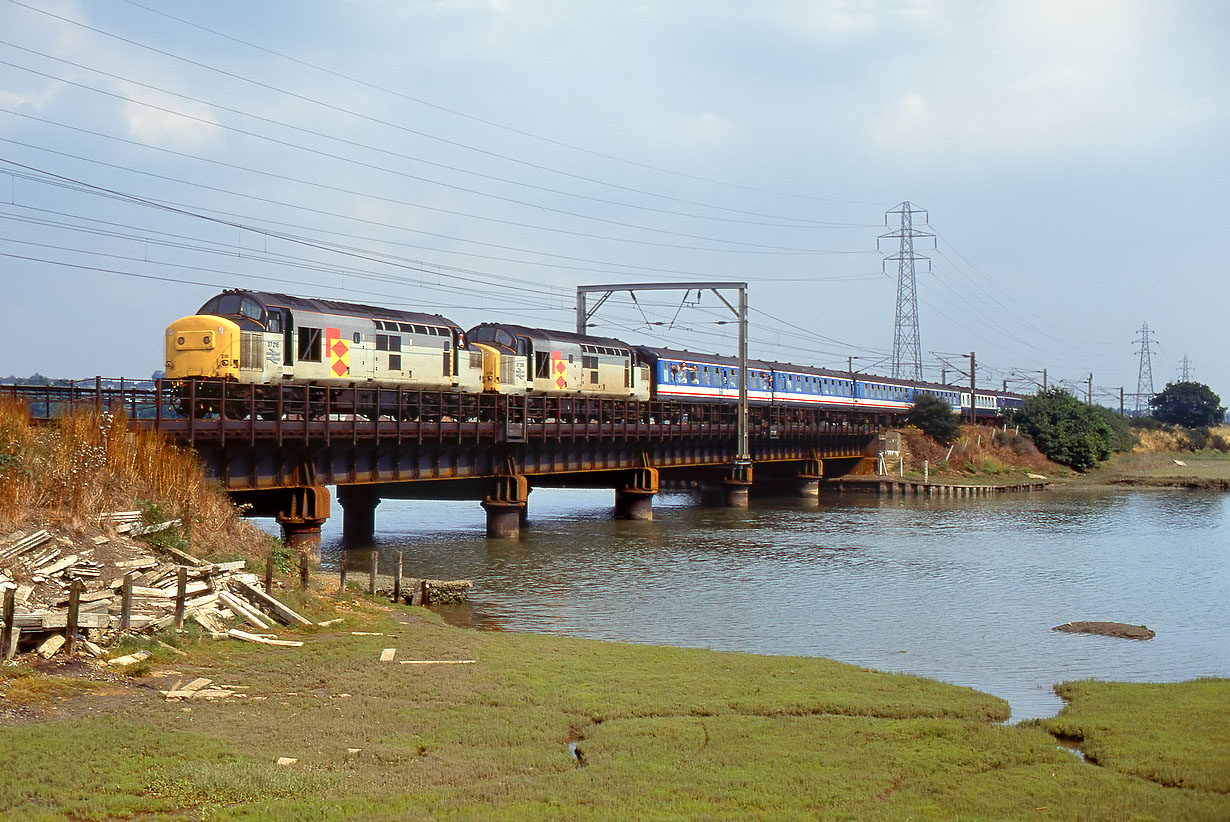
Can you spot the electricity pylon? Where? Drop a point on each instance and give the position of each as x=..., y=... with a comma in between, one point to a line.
x=1144, y=379
x=1185, y=370
x=907, y=349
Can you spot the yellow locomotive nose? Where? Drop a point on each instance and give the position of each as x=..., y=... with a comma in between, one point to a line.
x=202, y=345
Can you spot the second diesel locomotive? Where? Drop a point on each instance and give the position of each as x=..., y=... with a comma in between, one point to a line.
x=264, y=340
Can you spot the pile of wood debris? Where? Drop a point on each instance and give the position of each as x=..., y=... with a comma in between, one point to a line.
x=40, y=568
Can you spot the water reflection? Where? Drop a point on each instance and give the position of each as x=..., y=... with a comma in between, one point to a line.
x=961, y=590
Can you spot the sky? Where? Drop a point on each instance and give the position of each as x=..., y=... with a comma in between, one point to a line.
x=1064, y=165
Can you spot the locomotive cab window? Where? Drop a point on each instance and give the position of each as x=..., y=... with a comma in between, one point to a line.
x=309, y=344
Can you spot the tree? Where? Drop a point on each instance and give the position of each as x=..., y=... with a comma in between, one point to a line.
x=1066, y=429
x=934, y=416
x=1190, y=404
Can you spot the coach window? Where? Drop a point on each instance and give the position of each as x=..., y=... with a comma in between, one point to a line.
x=309, y=344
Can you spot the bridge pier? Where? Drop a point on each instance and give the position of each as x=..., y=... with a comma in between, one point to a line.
x=809, y=479
x=506, y=506
x=635, y=500
x=358, y=513
x=301, y=511
x=738, y=485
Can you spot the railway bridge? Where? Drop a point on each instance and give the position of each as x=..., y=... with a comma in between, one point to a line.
x=279, y=457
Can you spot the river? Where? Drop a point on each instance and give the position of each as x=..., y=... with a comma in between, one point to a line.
x=965, y=591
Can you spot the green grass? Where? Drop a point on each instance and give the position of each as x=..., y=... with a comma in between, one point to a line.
x=1172, y=734
x=666, y=733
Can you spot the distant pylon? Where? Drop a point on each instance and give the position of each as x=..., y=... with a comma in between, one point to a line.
x=907, y=349
x=1144, y=380
x=1185, y=370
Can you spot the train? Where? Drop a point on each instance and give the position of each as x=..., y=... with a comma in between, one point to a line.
x=264, y=340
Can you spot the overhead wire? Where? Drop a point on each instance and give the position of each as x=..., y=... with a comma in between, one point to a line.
x=495, y=124
x=794, y=223
x=297, y=96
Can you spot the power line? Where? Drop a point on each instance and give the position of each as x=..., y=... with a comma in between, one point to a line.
x=339, y=109
x=503, y=126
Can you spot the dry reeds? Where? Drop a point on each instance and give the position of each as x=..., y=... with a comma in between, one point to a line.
x=87, y=462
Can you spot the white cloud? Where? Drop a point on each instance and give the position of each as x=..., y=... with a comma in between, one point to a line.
x=1045, y=79
x=195, y=128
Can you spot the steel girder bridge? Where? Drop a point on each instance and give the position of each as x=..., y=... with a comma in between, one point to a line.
x=277, y=456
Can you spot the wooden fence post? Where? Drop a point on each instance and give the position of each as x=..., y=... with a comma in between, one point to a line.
x=126, y=602
x=342, y=586
x=304, y=565
x=397, y=579
x=371, y=573
x=10, y=608
x=269, y=573
x=74, y=616
x=181, y=595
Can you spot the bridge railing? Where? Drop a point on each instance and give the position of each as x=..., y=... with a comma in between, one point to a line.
x=222, y=412
x=140, y=399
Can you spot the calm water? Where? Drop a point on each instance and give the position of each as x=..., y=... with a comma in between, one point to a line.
x=965, y=591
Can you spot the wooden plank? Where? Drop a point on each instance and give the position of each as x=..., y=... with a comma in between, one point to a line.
x=50, y=645
x=387, y=654
x=51, y=620
x=130, y=659
x=264, y=600
x=182, y=555
x=243, y=610
x=196, y=684
x=59, y=565
x=438, y=661
x=260, y=640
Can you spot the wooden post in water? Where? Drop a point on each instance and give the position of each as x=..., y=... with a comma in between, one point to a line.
x=304, y=565
x=371, y=573
x=181, y=594
x=342, y=585
x=10, y=608
x=397, y=579
x=74, y=616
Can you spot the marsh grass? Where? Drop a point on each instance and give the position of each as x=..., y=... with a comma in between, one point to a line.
x=1172, y=734
x=666, y=733
x=85, y=463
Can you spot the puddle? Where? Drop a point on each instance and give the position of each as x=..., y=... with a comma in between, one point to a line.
x=1072, y=746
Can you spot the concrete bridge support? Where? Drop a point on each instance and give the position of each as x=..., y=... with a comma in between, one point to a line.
x=809, y=479
x=635, y=500
x=358, y=513
x=506, y=506
x=738, y=485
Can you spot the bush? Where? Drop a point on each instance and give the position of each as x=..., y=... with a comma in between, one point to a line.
x=1066, y=429
x=1197, y=439
x=1124, y=438
x=934, y=416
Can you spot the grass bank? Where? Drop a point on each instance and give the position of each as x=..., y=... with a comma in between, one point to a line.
x=1166, y=469
x=660, y=733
